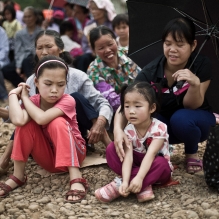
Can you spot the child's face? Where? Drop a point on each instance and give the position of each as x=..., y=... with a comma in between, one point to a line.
x=122, y=30
x=51, y=85
x=8, y=15
x=136, y=108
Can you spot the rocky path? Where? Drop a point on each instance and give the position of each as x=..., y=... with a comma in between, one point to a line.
x=44, y=197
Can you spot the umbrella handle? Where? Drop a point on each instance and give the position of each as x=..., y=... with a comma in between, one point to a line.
x=180, y=84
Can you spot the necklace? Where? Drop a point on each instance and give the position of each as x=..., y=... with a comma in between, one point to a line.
x=139, y=134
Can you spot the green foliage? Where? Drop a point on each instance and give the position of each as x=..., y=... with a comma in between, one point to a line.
x=40, y=4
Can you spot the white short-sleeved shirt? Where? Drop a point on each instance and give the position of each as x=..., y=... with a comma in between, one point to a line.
x=157, y=130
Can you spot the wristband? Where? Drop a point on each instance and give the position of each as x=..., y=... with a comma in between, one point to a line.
x=11, y=94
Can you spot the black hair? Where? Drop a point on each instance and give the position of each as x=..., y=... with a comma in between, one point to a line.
x=84, y=9
x=119, y=19
x=50, y=62
x=99, y=31
x=11, y=9
x=40, y=17
x=66, y=26
x=151, y=93
x=181, y=27
x=59, y=43
x=50, y=65
x=70, y=5
x=7, y=2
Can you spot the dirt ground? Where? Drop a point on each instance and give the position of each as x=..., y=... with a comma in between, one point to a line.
x=43, y=197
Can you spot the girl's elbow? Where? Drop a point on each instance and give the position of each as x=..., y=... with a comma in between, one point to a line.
x=17, y=122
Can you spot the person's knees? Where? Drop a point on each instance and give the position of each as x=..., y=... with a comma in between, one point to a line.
x=57, y=123
x=110, y=149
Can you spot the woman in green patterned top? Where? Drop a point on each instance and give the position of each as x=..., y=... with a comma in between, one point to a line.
x=111, y=68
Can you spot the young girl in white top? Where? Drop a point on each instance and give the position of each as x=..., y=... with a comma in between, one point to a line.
x=47, y=129
x=147, y=161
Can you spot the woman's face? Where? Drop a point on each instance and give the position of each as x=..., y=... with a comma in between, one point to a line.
x=177, y=52
x=46, y=45
x=29, y=18
x=106, y=48
x=79, y=14
x=97, y=13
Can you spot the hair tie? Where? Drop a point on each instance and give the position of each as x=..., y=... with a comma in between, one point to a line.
x=50, y=61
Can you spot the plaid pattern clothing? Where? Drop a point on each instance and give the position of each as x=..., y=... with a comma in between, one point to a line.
x=125, y=73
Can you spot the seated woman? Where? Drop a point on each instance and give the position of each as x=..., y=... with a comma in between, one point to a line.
x=23, y=64
x=112, y=68
x=94, y=112
x=185, y=111
x=103, y=13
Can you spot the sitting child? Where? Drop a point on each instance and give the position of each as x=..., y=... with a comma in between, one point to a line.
x=121, y=27
x=70, y=46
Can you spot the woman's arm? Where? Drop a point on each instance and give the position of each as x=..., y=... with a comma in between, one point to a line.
x=136, y=183
x=120, y=138
x=17, y=115
x=195, y=95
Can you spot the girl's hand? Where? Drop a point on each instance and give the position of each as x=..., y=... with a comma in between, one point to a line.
x=121, y=140
x=186, y=75
x=123, y=189
x=96, y=132
x=25, y=90
x=135, y=185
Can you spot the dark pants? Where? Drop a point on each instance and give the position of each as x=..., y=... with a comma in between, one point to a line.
x=189, y=127
x=85, y=113
x=82, y=62
x=3, y=91
x=9, y=71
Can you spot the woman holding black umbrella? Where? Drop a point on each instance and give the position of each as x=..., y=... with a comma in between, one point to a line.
x=185, y=111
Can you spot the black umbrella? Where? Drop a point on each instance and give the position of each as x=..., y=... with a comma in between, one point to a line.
x=147, y=19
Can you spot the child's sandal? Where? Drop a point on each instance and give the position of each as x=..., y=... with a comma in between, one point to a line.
x=146, y=195
x=108, y=192
x=6, y=188
x=76, y=192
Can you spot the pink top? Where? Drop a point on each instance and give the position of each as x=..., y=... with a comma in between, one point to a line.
x=157, y=130
x=67, y=105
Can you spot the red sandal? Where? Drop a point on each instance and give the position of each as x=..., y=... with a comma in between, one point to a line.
x=6, y=188
x=80, y=193
x=193, y=162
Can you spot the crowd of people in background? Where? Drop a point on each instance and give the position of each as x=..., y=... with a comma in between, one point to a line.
x=73, y=22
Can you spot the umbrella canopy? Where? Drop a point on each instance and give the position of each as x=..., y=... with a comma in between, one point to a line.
x=78, y=2
x=57, y=3
x=148, y=18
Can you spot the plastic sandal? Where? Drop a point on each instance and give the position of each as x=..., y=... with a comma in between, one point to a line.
x=108, y=192
x=6, y=188
x=146, y=195
x=193, y=162
x=76, y=192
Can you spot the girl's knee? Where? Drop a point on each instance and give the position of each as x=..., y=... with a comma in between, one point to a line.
x=57, y=123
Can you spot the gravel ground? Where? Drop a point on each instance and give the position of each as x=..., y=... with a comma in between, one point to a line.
x=44, y=197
